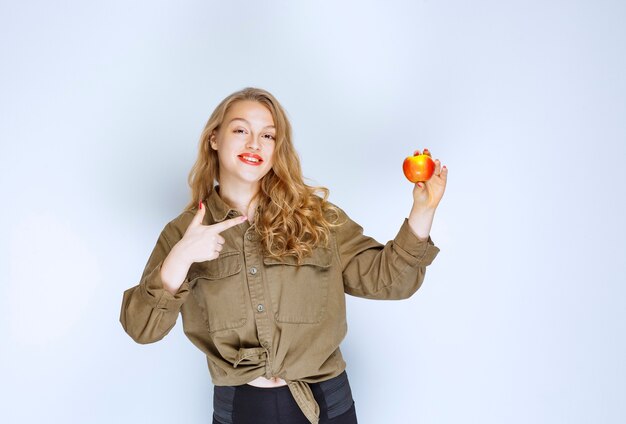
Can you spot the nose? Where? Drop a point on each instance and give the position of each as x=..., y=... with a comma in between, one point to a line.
x=253, y=144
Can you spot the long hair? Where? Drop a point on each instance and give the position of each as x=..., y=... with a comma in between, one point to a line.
x=292, y=219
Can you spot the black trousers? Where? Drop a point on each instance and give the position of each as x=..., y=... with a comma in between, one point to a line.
x=247, y=404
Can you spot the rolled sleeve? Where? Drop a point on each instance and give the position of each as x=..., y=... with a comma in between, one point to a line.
x=157, y=296
x=149, y=311
x=423, y=251
x=372, y=270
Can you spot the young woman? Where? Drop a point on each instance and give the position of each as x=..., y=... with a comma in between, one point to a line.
x=258, y=265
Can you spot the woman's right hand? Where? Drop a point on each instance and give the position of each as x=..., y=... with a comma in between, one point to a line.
x=203, y=242
x=199, y=243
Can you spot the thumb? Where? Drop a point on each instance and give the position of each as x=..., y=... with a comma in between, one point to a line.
x=199, y=216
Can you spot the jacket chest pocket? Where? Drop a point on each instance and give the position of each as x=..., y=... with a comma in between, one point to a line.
x=299, y=292
x=218, y=286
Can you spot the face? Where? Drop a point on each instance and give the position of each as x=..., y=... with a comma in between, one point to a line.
x=245, y=143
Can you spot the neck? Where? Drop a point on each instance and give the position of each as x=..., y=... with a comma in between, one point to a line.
x=239, y=196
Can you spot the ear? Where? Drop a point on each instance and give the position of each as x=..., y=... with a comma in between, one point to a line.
x=213, y=141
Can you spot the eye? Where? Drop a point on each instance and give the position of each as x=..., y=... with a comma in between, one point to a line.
x=239, y=131
x=269, y=136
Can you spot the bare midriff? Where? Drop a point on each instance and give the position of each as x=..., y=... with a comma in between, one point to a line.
x=264, y=382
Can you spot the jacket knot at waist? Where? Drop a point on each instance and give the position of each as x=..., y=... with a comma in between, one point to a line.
x=300, y=390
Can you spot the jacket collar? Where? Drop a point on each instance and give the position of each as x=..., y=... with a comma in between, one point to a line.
x=218, y=208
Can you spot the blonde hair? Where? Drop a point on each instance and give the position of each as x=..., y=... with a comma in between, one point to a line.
x=292, y=219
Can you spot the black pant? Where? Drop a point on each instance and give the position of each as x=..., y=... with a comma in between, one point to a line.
x=247, y=404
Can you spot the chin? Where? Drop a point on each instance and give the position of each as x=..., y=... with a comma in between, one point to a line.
x=256, y=179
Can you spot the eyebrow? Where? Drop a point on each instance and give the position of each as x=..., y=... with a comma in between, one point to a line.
x=246, y=121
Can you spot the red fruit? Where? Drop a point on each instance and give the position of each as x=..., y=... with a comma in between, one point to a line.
x=418, y=168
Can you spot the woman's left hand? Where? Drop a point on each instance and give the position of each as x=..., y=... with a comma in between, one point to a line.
x=428, y=194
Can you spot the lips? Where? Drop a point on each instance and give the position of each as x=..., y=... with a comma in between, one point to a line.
x=250, y=159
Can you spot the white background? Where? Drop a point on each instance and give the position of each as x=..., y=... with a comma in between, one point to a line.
x=522, y=316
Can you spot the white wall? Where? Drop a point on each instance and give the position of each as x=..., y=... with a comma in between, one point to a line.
x=521, y=317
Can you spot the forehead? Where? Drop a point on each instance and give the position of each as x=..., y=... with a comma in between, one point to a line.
x=254, y=112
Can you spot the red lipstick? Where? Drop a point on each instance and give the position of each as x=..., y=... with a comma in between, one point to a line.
x=250, y=159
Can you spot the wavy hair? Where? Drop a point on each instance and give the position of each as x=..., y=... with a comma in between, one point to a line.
x=292, y=219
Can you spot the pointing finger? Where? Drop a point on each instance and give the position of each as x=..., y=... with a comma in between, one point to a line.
x=225, y=225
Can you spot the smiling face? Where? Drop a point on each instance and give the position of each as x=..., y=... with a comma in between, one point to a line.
x=245, y=143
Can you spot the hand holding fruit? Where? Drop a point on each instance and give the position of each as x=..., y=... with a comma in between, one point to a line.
x=430, y=179
x=418, y=167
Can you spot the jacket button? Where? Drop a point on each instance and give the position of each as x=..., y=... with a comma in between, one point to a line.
x=253, y=270
x=250, y=237
x=260, y=307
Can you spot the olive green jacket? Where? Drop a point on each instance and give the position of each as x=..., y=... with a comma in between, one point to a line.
x=258, y=316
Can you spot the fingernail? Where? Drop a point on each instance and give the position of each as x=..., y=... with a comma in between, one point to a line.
x=200, y=204
x=444, y=167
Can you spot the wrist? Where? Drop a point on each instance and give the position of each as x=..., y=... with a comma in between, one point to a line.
x=177, y=255
x=174, y=270
x=420, y=221
x=422, y=210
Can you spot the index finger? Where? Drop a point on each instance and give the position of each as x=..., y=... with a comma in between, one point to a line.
x=226, y=224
